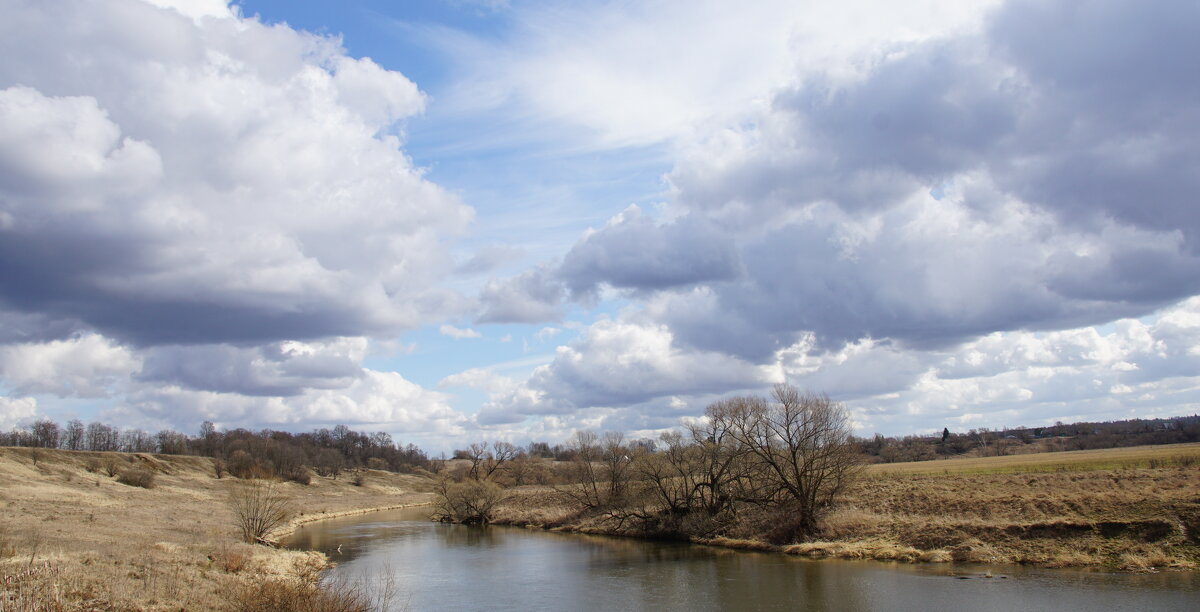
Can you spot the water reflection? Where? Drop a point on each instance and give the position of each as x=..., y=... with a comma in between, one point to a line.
x=443, y=567
x=471, y=536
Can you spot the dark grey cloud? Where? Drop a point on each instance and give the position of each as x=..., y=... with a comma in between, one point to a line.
x=1059, y=149
x=18, y=327
x=633, y=252
x=1111, y=122
x=273, y=370
x=535, y=296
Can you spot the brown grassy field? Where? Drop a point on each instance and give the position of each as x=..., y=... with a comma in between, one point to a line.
x=74, y=537
x=1090, y=508
x=1164, y=455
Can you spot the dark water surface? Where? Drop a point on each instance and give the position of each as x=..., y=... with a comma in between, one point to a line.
x=452, y=567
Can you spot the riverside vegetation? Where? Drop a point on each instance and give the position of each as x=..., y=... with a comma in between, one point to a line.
x=1141, y=516
x=784, y=475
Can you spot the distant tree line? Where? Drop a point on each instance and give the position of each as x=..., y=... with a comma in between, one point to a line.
x=239, y=452
x=1016, y=440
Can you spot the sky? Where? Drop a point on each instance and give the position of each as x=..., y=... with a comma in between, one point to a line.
x=457, y=220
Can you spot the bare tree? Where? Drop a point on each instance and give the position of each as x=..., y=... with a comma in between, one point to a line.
x=600, y=471
x=45, y=433
x=73, y=435
x=259, y=507
x=584, y=471
x=617, y=460
x=502, y=453
x=801, y=443
x=477, y=453
x=101, y=437
x=696, y=480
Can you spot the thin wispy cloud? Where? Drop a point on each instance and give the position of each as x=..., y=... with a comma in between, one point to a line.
x=458, y=333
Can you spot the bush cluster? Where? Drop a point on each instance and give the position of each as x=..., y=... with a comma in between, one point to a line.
x=137, y=477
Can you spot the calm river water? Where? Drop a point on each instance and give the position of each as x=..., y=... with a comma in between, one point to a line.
x=452, y=567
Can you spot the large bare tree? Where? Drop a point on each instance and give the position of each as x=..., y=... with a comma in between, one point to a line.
x=801, y=445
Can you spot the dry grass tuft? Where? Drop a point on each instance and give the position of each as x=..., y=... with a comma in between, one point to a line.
x=1074, y=558
x=738, y=543
x=873, y=549
x=231, y=561
x=848, y=522
x=936, y=556
x=282, y=595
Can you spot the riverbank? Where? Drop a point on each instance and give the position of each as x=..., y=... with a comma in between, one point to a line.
x=984, y=511
x=73, y=537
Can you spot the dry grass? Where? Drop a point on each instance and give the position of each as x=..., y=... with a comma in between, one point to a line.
x=1159, y=456
x=536, y=506
x=1022, y=509
x=97, y=544
x=1080, y=517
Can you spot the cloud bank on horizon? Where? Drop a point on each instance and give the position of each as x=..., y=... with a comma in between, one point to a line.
x=956, y=214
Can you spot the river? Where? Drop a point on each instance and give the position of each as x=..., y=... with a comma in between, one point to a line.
x=453, y=567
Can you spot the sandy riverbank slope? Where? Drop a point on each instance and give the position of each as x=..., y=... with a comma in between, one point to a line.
x=70, y=534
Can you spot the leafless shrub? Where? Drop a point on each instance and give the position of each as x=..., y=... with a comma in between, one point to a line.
x=112, y=465
x=92, y=465
x=137, y=477
x=299, y=475
x=468, y=502
x=229, y=560
x=259, y=507
x=359, y=478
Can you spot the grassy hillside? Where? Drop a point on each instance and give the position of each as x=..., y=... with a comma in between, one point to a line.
x=74, y=537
